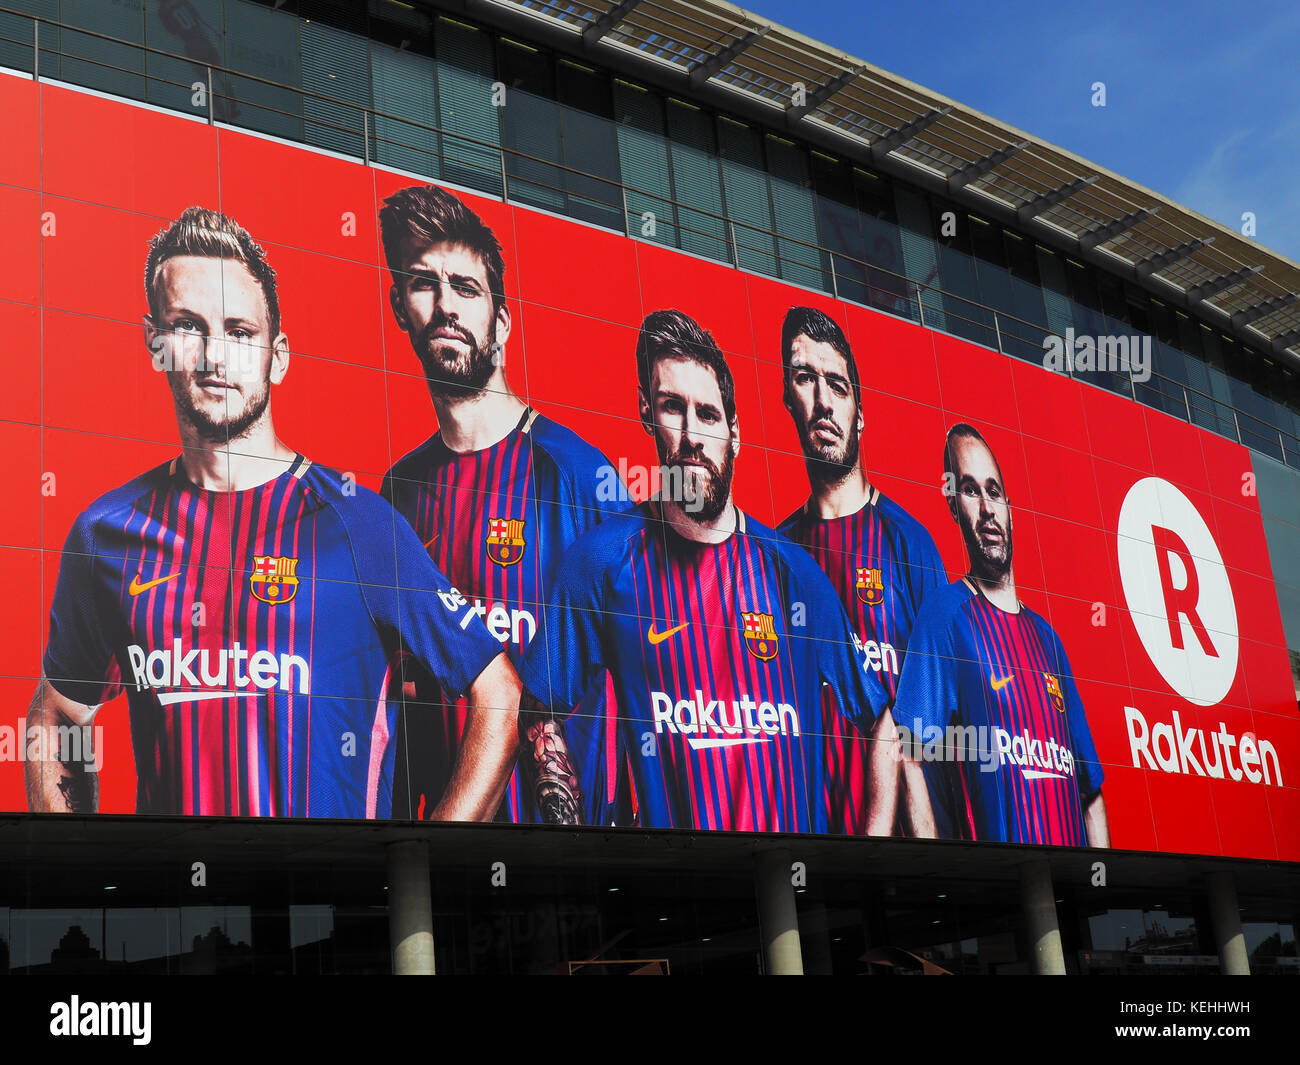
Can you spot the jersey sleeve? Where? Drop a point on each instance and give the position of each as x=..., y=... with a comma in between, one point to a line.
x=415, y=602
x=1088, y=771
x=566, y=658
x=925, y=572
x=78, y=660
x=928, y=688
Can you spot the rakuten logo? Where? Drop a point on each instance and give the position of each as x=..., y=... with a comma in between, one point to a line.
x=877, y=656
x=1035, y=758
x=716, y=723
x=221, y=674
x=1177, y=590
x=1170, y=748
x=505, y=624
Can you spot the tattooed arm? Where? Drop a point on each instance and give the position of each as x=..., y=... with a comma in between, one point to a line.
x=544, y=758
x=55, y=786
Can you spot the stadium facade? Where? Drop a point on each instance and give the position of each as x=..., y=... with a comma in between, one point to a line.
x=534, y=257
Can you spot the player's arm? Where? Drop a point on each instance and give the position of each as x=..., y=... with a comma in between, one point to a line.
x=53, y=785
x=882, y=776
x=1095, y=822
x=918, y=811
x=486, y=757
x=545, y=760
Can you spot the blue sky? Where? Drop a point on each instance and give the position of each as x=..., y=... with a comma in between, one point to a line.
x=1202, y=98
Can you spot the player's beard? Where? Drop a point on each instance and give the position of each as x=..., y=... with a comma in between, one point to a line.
x=992, y=562
x=219, y=430
x=705, y=501
x=830, y=464
x=452, y=373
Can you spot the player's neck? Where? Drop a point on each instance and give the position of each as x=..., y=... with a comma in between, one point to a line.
x=689, y=527
x=226, y=468
x=839, y=498
x=237, y=466
x=474, y=421
x=1000, y=591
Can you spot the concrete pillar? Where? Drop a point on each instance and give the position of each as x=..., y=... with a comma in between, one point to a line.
x=1225, y=917
x=1038, y=898
x=778, y=920
x=410, y=908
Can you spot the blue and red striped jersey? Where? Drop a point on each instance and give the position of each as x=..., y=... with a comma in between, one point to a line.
x=720, y=656
x=882, y=563
x=497, y=522
x=1025, y=772
x=254, y=633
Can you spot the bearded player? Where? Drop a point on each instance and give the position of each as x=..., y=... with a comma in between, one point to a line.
x=980, y=657
x=498, y=492
x=249, y=601
x=719, y=634
x=880, y=559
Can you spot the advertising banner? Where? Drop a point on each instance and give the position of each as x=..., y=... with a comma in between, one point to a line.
x=335, y=493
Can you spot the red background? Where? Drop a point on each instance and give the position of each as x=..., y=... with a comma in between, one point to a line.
x=82, y=402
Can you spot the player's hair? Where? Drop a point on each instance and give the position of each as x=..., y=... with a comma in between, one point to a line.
x=672, y=334
x=432, y=215
x=821, y=328
x=211, y=234
x=962, y=429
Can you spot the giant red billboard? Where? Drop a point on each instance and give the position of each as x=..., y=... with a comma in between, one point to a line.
x=338, y=493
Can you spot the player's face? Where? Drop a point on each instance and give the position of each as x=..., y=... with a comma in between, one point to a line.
x=981, y=508
x=212, y=336
x=442, y=300
x=820, y=399
x=694, y=440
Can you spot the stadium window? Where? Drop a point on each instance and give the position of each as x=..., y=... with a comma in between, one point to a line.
x=468, y=119
x=796, y=214
x=748, y=198
x=697, y=181
x=644, y=164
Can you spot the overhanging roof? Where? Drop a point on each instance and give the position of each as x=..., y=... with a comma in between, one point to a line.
x=745, y=63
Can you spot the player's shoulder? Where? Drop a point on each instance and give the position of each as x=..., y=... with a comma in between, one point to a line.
x=416, y=463
x=777, y=542
x=355, y=504
x=945, y=604
x=562, y=446
x=114, y=506
x=903, y=525
x=789, y=525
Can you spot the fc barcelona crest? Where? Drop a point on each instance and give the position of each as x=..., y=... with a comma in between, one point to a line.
x=505, y=541
x=274, y=579
x=871, y=586
x=1054, y=690
x=760, y=635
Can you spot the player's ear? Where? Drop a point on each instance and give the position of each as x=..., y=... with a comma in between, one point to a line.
x=279, y=358
x=399, y=312
x=155, y=340
x=643, y=409
x=734, y=426
x=503, y=323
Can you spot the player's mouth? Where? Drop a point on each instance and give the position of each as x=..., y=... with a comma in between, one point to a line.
x=215, y=385
x=991, y=534
x=825, y=431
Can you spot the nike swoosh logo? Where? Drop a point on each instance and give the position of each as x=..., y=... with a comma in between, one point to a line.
x=429, y=543
x=657, y=638
x=135, y=587
x=999, y=684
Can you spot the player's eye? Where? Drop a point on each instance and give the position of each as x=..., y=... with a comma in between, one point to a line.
x=970, y=491
x=184, y=325
x=839, y=388
x=469, y=292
